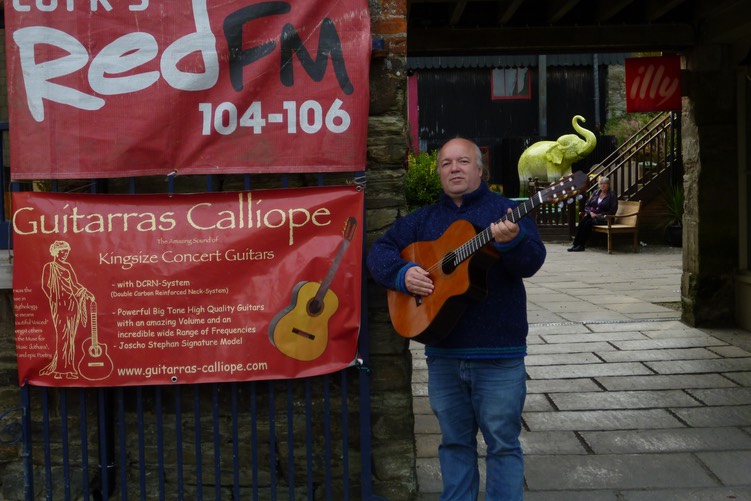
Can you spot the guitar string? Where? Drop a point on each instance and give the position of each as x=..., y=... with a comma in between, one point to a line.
x=473, y=244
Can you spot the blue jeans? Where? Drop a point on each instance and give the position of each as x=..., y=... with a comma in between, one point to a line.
x=467, y=395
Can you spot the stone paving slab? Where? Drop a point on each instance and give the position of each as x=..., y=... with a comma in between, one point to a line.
x=587, y=370
x=551, y=442
x=622, y=471
x=723, y=396
x=667, y=440
x=701, y=366
x=592, y=337
x=710, y=494
x=730, y=351
x=676, y=342
x=562, y=359
x=561, y=385
x=623, y=400
x=601, y=420
x=731, y=467
x=558, y=328
x=742, y=378
x=658, y=354
x=665, y=382
x=645, y=327
x=545, y=349
x=736, y=415
x=538, y=403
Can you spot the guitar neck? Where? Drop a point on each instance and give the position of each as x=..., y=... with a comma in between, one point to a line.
x=94, y=328
x=486, y=236
x=332, y=271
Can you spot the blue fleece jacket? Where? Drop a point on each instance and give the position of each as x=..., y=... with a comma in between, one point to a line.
x=496, y=327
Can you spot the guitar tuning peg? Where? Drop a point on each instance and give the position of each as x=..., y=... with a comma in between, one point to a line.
x=560, y=205
x=579, y=196
x=570, y=201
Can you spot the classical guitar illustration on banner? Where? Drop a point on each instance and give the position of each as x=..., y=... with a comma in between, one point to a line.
x=301, y=330
x=458, y=270
x=95, y=363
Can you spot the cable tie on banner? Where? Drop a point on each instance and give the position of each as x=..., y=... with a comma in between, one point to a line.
x=172, y=173
x=359, y=182
x=360, y=364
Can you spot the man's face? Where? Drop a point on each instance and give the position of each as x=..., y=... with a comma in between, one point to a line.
x=458, y=169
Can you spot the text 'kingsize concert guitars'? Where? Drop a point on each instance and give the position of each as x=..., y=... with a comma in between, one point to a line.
x=458, y=262
x=301, y=331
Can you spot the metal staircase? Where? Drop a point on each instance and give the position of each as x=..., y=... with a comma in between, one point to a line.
x=646, y=162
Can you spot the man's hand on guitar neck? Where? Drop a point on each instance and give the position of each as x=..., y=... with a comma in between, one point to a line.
x=418, y=281
x=504, y=231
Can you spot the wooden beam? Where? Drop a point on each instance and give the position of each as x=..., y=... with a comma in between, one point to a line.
x=655, y=9
x=447, y=41
x=560, y=9
x=732, y=24
x=606, y=10
x=456, y=15
x=507, y=12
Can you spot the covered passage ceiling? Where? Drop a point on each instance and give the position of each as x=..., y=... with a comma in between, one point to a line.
x=464, y=27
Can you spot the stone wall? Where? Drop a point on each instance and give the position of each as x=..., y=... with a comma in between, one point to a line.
x=710, y=223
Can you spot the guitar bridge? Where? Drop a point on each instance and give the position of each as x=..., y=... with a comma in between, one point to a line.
x=302, y=333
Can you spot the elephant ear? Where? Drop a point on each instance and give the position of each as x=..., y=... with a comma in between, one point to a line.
x=554, y=154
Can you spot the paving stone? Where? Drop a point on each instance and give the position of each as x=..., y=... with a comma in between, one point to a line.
x=684, y=333
x=572, y=495
x=678, y=342
x=622, y=400
x=739, y=415
x=562, y=359
x=561, y=328
x=600, y=420
x=561, y=385
x=537, y=403
x=742, y=378
x=724, y=396
x=551, y=442
x=655, y=354
x=701, y=366
x=615, y=472
x=587, y=370
x=731, y=467
x=641, y=307
x=639, y=326
x=592, y=337
x=730, y=351
x=592, y=314
x=657, y=382
x=568, y=306
x=666, y=440
x=706, y=494
x=543, y=349
x=608, y=298
x=427, y=423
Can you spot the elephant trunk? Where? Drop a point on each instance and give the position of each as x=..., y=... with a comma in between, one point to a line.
x=589, y=136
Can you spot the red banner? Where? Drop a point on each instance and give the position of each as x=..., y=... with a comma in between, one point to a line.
x=653, y=84
x=140, y=87
x=152, y=289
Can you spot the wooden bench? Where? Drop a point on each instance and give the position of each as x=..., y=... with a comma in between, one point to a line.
x=625, y=220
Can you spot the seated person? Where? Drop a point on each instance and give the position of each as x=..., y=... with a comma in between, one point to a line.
x=603, y=202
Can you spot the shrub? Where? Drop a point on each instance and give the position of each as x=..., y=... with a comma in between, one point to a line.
x=422, y=185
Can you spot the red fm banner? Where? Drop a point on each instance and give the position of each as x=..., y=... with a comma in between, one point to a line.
x=142, y=87
x=156, y=289
x=653, y=84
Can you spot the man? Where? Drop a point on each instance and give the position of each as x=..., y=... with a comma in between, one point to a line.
x=477, y=378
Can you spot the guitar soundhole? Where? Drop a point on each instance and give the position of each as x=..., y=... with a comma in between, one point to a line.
x=315, y=307
x=448, y=265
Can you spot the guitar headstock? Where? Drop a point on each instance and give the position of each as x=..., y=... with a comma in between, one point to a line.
x=350, y=225
x=565, y=188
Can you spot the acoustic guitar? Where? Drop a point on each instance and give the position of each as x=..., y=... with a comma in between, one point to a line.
x=458, y=262
x=301, y=331
x=95, y=363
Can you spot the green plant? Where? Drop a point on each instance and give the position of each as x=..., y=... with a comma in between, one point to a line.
x=625, y=126
x=674, y=199
x=422, y=185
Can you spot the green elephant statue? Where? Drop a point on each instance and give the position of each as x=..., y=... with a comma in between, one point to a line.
x=551, y=160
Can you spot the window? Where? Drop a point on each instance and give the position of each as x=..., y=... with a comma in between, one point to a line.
x=511, y=83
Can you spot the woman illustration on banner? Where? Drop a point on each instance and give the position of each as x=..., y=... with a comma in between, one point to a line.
x=67, y=300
